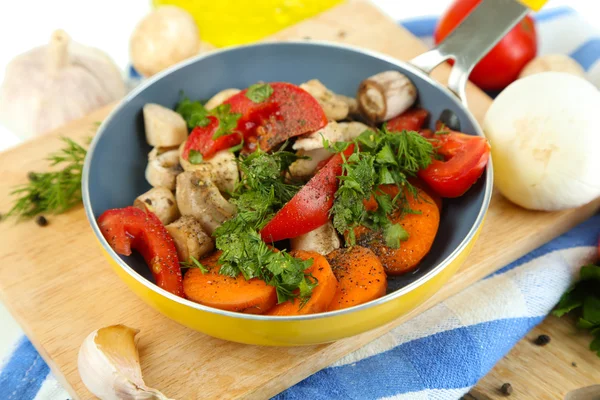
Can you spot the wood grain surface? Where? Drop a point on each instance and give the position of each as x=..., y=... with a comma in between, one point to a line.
x=57, y=285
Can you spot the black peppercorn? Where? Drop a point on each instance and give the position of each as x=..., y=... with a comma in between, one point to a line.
x=32, y=176
x=574, y=364
x=506, y=389
x=41, y=221
x=542, y=340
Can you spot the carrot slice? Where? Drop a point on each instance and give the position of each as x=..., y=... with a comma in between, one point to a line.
x=392, y=191
x=421, y=228
x=224, y=292
x=425, y=187
x=321, y=295
x=360, y=276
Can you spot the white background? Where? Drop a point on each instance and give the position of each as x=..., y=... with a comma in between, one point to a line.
x=107, y=24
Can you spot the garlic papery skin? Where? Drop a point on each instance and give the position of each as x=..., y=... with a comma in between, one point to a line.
x=543, y=131
x=109, y=365
x=48, y=86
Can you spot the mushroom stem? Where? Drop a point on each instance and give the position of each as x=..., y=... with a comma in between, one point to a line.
x=383, y=96
x=58, y=56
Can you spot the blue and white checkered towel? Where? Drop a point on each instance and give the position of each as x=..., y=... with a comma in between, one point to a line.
x=443, y=352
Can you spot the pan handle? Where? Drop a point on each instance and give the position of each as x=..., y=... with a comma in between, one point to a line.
x=472, y=39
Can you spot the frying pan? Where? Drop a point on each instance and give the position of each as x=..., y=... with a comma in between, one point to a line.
x=113, y=175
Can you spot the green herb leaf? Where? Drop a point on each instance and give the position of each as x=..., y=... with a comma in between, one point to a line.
x=380, y=158
x=583, y=300
x=262, y=191
x=394, y=234
x=55, y=191
x=386, y=156
x=591, y=309
x=590, y=272
x=259, y=92
x=195, y=157
x=227, y=120
x=193, y=112
x=193, y=263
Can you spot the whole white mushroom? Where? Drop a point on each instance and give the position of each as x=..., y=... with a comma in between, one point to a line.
x=545, y=141
x=163, y=38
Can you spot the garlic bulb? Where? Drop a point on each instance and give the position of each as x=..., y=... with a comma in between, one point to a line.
x=544, y=139
x=109, y=365
x=50, y=85
x=164, y=37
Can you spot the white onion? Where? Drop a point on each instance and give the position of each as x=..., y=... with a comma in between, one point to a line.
x=544, y=130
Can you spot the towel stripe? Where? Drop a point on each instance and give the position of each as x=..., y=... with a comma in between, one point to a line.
x=23, y=374
x=588, y=53
x=408, y=367
x=425, y=26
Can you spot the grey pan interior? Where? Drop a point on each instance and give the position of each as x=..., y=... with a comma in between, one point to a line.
x=117, y=159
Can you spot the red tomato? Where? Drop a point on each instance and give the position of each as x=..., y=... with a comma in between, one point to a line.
x=131, y=227
x=309, y=208
x=289, y=111
x=504, y=62
x=427, y=133
x=466, y=158
x=409, y=120
x=201, y=139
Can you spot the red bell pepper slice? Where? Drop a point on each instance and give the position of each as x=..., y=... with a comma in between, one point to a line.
x=131, y=227
x=410, y=120
x=465, y=159
x=290, y=111
x=309, y=208
x=201, y=140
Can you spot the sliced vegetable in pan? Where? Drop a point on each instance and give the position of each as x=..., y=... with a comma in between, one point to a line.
x=368, y=205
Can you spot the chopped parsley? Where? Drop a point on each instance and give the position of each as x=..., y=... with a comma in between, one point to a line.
x=384, y=158
x=195, y=114
x=227, y=120
x=195, y=157
x=260, y=194
x=582, y=300
x=259, y=92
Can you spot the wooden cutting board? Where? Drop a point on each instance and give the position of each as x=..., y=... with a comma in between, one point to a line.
x=57, y=285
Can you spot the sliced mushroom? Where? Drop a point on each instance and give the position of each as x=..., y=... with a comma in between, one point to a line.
x=221, y=168
x=351, y=130
x=306, y=167
x=163, y=168
x=161, y=202
x=385, y=95
x=331, y=132
x=323, y=240
x=164, y=127
x=220, y=98
x=335, y=107
x=200, y=198
x=190, y=240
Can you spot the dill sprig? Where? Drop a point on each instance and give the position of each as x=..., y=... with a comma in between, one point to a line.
x=55, y=191
x=380, y=157
x=261, y=193
x=193, y=263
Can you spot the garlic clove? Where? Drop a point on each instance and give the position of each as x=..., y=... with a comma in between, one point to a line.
x=109, y=365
